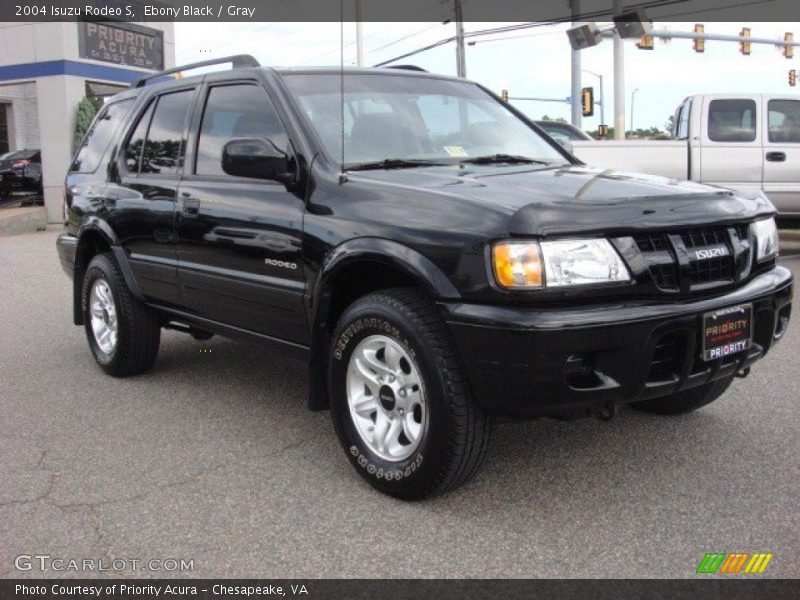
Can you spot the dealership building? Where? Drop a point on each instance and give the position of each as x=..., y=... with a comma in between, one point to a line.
x=46, y=69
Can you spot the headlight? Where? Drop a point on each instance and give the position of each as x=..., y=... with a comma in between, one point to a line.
x=766, y=233
x=525, y=265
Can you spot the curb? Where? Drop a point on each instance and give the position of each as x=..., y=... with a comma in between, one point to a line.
x=14, y=221
x=789, y=235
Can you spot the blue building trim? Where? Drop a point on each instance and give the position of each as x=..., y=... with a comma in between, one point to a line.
x=69, y=67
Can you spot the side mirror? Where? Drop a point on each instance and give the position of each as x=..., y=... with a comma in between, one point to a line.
x=257, y=158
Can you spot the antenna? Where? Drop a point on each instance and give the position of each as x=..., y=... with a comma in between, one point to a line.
x=342, y=174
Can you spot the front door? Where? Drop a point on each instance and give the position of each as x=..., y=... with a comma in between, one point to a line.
x=782, y=154
x=239, y=239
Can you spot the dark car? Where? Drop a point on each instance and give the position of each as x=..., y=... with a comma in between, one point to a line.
x=437, y=260
x=21, y=171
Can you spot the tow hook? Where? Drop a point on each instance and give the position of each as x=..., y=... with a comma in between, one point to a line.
x=607, y=411
x=743, y=373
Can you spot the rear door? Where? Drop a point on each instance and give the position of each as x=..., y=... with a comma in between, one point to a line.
x=781, y=121
x=731, y=142
x=142, y=196
x=240, y=239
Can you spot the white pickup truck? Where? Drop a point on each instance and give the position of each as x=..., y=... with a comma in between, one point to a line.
x=737, y=141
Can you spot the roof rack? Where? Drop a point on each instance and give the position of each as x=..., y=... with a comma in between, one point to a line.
x=238, y=61
x=408, y=68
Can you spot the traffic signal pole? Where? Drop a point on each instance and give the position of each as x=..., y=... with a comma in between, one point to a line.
x=575, y=87
x=461, y=58
x=619, y=80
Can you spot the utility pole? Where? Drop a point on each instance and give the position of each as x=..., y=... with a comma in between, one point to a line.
x=619, y=80
x=359, y=37
x=461, y=59
x=575, y=87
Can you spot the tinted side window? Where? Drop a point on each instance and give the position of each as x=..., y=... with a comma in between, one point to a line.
x=784, y=121
x=235, y=111
x=163, y=150
x=96, y=141
x=732, y=120
x=133, y=149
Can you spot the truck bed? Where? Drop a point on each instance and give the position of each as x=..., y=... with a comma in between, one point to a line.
x=657, y=157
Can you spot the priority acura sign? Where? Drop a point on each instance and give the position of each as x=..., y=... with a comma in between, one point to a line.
x=122, y=44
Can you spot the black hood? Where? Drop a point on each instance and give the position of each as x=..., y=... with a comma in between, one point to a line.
x=580, y=199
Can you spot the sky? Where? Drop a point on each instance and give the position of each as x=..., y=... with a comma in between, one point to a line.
x=532, y=62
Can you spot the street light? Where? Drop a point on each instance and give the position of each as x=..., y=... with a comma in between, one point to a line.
x=602, y=103
x=633, y=97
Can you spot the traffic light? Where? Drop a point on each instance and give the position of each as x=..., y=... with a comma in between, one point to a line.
x=504, y=95
x=788, y=49
x=646, y=43
x=744, y=47
x=792, y=78
x=602, y=131
x=699, y=43
x=587, y=101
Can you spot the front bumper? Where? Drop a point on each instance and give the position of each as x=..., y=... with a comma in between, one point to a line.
x=568, y=362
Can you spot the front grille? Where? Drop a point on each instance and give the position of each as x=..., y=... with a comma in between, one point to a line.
x=660, y=257
x=700, y=267
x=710, y=270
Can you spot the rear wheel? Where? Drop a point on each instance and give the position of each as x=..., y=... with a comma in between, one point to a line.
x=686, y=401
x=399, y=397
x=123, y=334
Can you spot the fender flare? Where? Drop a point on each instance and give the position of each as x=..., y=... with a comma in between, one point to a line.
x=393, y=254
x=95, y=225
x=380, y=250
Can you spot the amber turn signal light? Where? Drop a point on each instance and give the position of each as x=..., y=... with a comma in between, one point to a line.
x=517, y=265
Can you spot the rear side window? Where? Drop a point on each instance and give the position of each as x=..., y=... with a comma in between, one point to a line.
x=235, y=111
x=784, y=121
x=164, y=144
x=133, y=149
x=97, y=140
x=732, y=120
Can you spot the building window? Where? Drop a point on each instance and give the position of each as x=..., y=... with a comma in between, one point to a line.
x=4, y=147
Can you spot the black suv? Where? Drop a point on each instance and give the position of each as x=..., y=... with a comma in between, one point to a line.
x=436, y=257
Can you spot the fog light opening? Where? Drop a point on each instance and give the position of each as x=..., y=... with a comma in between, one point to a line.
x=579, y=371
x=782, y=322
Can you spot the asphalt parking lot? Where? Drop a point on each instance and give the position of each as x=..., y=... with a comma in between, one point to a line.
x=213, y=457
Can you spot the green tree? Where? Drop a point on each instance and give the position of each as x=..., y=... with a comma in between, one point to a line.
x=554, y=119
x=87, y=109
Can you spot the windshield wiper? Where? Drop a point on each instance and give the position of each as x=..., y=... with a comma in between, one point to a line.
x=395, y=163
x=503, y=158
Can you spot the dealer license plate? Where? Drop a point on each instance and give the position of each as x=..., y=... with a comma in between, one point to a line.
x=727, y=331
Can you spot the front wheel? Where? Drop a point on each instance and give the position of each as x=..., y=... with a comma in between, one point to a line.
x=123, y=334
x=400, y=400
x=686, y=401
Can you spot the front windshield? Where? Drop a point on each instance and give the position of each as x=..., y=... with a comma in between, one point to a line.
x=389, y=116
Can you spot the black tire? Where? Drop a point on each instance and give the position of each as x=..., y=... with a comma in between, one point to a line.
x=454, y=440
x=138, y=328
x=687, y=401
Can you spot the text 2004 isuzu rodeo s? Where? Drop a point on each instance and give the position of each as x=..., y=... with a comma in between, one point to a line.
x=436, y=257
